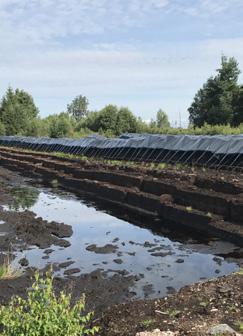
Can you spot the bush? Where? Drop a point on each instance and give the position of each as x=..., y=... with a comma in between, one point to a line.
x=44, y=314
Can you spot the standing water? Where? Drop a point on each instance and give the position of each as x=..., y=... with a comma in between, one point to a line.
x=104, y=242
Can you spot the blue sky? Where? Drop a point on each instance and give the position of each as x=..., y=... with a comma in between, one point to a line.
x=144, y=54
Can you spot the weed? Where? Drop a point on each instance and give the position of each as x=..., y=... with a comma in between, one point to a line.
x=240, y=271
x=7, y=271
x=239, y=325
x=54, y=183
x=173, y=313
x=146, y=323
x=44, y=314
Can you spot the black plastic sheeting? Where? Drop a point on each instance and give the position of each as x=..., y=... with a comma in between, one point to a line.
x=218, y=150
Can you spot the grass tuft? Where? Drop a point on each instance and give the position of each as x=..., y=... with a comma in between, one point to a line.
x=7, y=271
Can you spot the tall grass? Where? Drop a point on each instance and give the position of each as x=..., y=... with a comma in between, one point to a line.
x=7, y=271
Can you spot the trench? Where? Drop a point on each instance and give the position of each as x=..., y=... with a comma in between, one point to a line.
x=160, y=263
x=210, y=203
x=160, y=230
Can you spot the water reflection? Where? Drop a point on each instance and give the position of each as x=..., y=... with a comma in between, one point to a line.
x=159, y=262
x=24, y=198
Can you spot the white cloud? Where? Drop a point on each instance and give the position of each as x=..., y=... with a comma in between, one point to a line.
x=39, y=20
x=38, y=52
x=209, y=8
x=142, y=79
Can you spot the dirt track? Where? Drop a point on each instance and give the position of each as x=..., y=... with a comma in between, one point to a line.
x=206, y=201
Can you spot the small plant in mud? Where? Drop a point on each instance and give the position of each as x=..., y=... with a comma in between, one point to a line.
x=173, y=313
x=45, y=314
x=240, y=326
x=54, y=183
x=147, y=323
x=189, y=209
x=7, y=271
x=240, y=271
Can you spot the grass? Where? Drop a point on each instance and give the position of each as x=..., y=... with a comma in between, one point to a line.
x=173, y=313
x=146, y=323
x=240, y=326
x=240, y=271
x=7, y=271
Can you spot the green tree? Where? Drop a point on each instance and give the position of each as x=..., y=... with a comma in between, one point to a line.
x=238, y=107
x=60, y=125
x=2, y=129
x=79, y=107
x=162, y=120
x=91, y=121
x=17, y=110
x=106, y=119
x=37, y=128
x=213, y=103
x=126, y=121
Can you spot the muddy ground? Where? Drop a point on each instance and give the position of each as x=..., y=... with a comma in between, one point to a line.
x=190, y=311
x=22, y=230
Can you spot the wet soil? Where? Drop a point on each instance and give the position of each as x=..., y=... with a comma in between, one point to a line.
x=207, y=303
x=23, y=228
x=101, y=291
x=190, y=312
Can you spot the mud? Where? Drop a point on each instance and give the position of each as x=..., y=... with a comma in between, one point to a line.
x=100, y=290
x=23, y=228
x=190, y=312
x=109, y=248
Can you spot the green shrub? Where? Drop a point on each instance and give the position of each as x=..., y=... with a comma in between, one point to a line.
x=45, y=314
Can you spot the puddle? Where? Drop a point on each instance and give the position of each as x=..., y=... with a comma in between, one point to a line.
x=24, y=198
x=102, y=241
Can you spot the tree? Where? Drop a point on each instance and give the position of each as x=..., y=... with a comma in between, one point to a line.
x=238, y=107
x=162, y=120
x=2, y=129
x=17, y=110
x=126, y=121
x=79, y=107
x=107, y=118
x=213, y=103
x=60, y=125
x=91, y=121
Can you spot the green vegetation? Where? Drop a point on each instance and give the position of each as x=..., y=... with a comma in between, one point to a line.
x=7, y=271
x=17, y=111
x=24, y=198
x=219, y=101
x=147, y=323
x=240, y=326
x=173, y=313
x=79, y=107
x=45, y=314
x=216, y=109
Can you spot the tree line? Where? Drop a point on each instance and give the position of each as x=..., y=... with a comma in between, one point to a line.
x=20, y=116
x=217, y=108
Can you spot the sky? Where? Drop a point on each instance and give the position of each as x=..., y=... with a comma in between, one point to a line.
x=144, y=54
